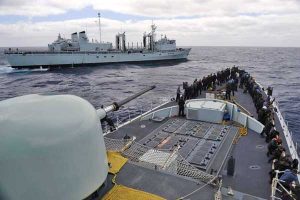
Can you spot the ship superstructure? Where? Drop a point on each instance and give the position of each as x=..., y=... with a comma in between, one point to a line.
x=79, y=50
x=78, y=42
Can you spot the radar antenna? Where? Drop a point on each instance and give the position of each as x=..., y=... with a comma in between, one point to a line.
x=153, y=28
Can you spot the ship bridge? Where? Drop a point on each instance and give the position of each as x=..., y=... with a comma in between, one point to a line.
x=78, y=42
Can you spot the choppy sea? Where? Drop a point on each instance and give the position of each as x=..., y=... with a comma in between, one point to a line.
x=276, y=67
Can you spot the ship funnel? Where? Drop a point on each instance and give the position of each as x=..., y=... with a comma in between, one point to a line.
x=116, y=105
x=74, y=37
x=82, y=37
x=121, y=41
x=51, y=147
x=144, y=41
x=118, y=42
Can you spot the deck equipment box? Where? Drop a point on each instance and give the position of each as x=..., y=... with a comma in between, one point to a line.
x=207, y=111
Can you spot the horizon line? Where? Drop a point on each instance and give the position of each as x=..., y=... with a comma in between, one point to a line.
x=178, y=46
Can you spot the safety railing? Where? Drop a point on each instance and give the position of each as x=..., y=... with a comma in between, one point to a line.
x=292, y=143
x=128, y=114
x=24, y=51
x=278, y=190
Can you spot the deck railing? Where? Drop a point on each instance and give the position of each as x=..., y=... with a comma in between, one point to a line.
x=278, y=189
x=292, y=145
x=25, y=52
x=129, y=114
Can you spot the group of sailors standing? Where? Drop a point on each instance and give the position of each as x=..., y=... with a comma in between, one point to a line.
x=282, y=162
x=208, y=83
x=232, y=77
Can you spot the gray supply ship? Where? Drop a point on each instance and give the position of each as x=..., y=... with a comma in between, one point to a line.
x=79, y=51
x=54, y=147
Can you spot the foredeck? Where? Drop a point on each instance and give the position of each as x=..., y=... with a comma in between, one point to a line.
x=197, y=139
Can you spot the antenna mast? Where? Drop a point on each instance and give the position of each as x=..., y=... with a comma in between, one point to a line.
x=99, y=17
x=152, y=38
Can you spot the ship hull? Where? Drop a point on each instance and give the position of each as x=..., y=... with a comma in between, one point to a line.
x=73, y=59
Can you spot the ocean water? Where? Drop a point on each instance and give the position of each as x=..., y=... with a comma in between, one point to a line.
x=102, y=85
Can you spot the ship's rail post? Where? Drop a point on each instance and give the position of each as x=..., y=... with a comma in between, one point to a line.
x=274, y=188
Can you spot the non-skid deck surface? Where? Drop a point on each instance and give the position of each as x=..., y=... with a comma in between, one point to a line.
x=250, y=180
x=164, y=185
x=251, y=163
x=251, y=167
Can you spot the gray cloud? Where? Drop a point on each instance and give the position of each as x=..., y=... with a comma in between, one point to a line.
x=153, y=8
x=210, y=22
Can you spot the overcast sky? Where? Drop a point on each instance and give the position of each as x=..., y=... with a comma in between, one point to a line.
x=190, y=22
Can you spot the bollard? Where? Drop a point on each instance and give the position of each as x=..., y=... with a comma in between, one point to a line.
x=230, y=166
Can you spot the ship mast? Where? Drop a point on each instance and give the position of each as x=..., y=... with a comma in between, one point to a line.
x=99, y=17
x=152, y=38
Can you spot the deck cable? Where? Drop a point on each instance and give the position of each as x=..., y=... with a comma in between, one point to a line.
x=189, y=194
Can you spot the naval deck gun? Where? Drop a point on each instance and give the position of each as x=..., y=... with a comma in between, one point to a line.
x=53, y=141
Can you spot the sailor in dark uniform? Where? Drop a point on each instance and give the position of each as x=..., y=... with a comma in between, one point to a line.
x=200, y=86
x=181, y=106
x=178, y=94
x=109, y=122
x=228, y=90
x=267, y=130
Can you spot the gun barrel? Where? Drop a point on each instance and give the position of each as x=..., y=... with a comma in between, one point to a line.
x=124, y=101
x=116, y=105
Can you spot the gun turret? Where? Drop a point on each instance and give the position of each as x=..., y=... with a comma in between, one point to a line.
x=61, y=129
